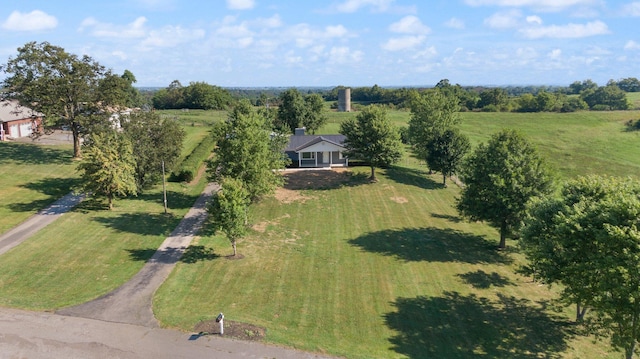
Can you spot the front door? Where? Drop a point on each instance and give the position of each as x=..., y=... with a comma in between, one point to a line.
x=326, y=157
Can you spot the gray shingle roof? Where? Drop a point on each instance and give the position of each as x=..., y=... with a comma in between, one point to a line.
x=297, y=143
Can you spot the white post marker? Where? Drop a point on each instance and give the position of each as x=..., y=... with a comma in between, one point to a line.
x=220, y=319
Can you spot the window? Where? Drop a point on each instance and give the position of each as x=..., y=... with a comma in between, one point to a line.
x=308, y=155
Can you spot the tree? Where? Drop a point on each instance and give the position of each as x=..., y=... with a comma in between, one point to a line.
x=315, y=114
x=446, y=151
x=291, y=111
x=432, y=113
x=108, y=167
x=609, y=97
x=499, y=179
x=155, y=140
x=201, y=95
x=247, y=151
x=372, y=138
x=62, y=86
x=588, y=240
x=228, y=210
x=496, y=98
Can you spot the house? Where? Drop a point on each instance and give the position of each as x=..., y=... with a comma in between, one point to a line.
x=17, y=121
x=316, y=150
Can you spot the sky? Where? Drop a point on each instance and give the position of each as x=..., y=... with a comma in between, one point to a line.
x=308, y=43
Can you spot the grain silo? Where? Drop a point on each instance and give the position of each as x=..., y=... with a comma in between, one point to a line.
x=344, y=100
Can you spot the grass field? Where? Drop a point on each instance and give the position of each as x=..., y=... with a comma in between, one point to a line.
x=383, y=270
x=32, y=177
x=578, y=143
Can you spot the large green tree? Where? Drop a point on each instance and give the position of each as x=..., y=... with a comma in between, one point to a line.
x=432, y=113
x=248, y=151
x=446, y=151
x=499, y=179
x=64, y=87
x=588, y=240
x=228, y=210
x=155, y=140
x=315, y=116
x=372, y=138
x=108, y=166
x=296, y=110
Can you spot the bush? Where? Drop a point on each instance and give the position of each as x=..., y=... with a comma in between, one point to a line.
x=633, y=125
x=188, y=169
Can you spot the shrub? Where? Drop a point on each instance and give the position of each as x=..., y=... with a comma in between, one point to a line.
x=188, y=169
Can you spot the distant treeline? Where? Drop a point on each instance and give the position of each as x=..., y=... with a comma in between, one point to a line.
x=580, y=95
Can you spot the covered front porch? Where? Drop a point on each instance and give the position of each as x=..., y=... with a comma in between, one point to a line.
x=322, y=159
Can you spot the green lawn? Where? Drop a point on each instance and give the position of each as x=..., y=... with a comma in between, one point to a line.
x=578, y=143
x=32, y=177
x=384, y=270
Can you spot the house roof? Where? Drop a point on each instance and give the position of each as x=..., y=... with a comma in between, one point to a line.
x=11, y=111
x=300, y=142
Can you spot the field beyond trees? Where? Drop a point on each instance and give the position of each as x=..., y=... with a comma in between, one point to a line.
x=333, y=263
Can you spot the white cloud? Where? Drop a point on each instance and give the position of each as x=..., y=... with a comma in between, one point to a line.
x=240, y=4
x=403, y=43
x=344, y=55
x=135, y=29
x=455, y=23
x=534, y=20
x=632, y=9
x=410, y=25
x=504, y=19
x=570, y=31
x=551, y=5
x=336, y=31
x=33, y=21
x=170, y=36
x=554, y=54
x=632, y=45
x=350, y=6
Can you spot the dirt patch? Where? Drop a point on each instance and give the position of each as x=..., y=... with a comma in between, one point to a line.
x=289, y=196
x=236, y=330
x=400, y=200
x=262, y=226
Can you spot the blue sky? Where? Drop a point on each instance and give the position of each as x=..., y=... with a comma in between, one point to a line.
x=256, y=43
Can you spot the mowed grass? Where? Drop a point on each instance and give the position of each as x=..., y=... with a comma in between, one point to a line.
x=383, y=270
x=90, y=250
x=32, y=177
x=579, y=143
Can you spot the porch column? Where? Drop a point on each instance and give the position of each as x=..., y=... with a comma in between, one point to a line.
x=330, y=159
x=316, y=158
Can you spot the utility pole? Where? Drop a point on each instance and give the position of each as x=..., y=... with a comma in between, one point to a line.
x=164, y=189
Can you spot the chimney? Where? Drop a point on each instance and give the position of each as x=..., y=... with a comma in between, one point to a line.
x=299, y=131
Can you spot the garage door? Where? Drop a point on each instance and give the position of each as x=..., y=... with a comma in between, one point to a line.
x=25, y=129
x=14, y=131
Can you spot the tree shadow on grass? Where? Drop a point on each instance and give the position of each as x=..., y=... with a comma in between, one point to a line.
x=433, y=245
x=148, y=224
x=193, y=254
x=457, y=326
x=54, y=188
x=32, y=154
x=413, y=177
x=323, y=179
x=175, y=200
x=483, y=280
